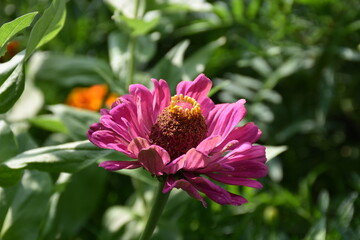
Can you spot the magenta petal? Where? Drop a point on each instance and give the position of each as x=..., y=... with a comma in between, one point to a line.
x=175, y=165
x=123, y=118
x=237, y=200
x=154, y=159
x=191, y=161
x=247, y=133
x=215, y=192
x=143, y=99
x=247, y=169
x=171, y=183
x=194, y=160
x=117, y=165
x=197, y=89
x=161, y=96
x=208, y=144
x=246, y=152
x=224, y=117
x=137, y=144
x=105, y=138
x=235, y=180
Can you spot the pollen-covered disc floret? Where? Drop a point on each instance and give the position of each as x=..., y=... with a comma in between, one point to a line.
x=180, y=127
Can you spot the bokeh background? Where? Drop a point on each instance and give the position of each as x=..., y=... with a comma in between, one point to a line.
x=296, y=62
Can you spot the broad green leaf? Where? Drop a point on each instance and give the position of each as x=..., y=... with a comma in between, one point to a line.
x=273, y=151
x=28, y=208
x=78, y=200
x=8, y=67
x=49, y=122
x=8, y=176
x=47, y=27
x=10, y=29
x=11, y=89
x=71, y=71
x=76, y=121
x=6, y=197
x=8, y=142
x=69, y=157
x=118, y=53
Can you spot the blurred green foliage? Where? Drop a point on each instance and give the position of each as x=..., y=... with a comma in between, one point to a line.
x=296, y=62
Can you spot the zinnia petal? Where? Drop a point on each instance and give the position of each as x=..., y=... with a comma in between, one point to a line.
x=171, y=183
x=161, y=96
x=154, y=159
x=117, y=165
x=214, y=192
x=143, y=99
x=224, y=117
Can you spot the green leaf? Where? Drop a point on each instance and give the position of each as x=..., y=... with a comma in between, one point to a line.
x=8, y=67
x=273, y=151
x=138, y=26
x=69, y=157
x=9, y=147
x=49, y=122
x=76, y=121
x=8, y=176
x=47, y=27
x=169, y=67
x=28, y=208
x=195, y=64
x=6, y=197
x=345, y=212
x=77, y=202
x=318, y=231
x=11, y=89
x=71, y=71
x=10, y=29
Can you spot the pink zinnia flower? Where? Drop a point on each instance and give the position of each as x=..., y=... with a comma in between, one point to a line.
x=185, y=139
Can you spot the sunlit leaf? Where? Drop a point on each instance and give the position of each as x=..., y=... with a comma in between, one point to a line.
x=11, y=89
x=169, y=67
x=8, y=142
x=69, y=157
x=196, y=63
x=47, y=27
x=49, y=122
x=29, y=207
x=10, y=29
x=76, y=121
x=273, y=151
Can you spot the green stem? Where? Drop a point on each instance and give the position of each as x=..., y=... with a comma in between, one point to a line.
x=132, y=47
x=160, y=200
x=131, y=72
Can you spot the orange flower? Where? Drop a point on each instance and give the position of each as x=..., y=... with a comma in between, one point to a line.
x=90, y=98
x=12, y=49
x=111, y=99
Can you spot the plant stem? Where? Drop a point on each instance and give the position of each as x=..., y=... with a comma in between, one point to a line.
x=160, y=200
x=132, y=47
x=131, y=72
